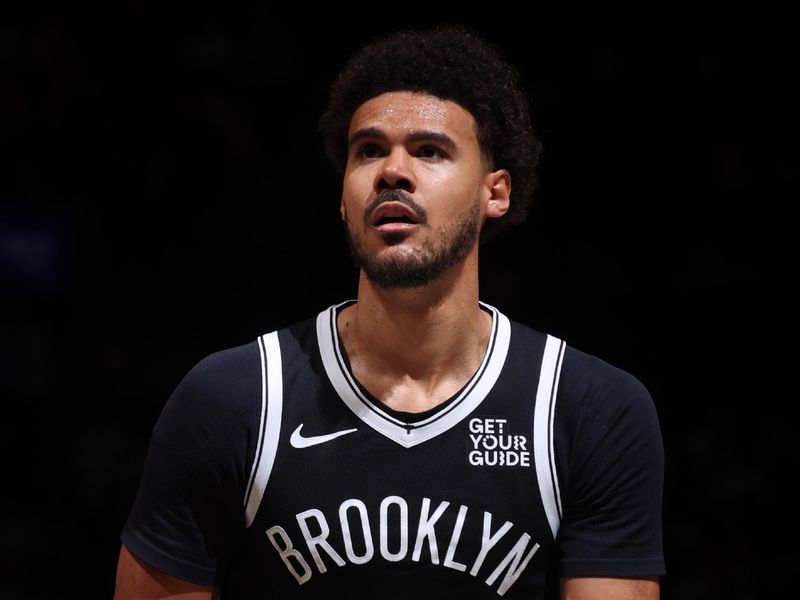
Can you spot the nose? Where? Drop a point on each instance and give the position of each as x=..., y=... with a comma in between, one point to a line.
x=396, y=172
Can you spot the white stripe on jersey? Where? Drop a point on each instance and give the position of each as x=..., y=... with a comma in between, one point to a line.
x=270, y=428
x=544, y=412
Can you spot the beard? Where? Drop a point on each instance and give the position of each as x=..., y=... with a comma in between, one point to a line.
x=438, y=254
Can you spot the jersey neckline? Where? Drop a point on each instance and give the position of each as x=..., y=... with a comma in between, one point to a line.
x=410, y=432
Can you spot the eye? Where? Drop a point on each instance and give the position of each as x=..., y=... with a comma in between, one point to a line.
x=369, y=151
x=430, y=152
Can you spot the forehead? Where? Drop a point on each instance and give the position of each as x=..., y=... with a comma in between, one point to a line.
x=413, y=111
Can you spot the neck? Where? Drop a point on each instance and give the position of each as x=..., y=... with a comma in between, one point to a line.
x=413, y=347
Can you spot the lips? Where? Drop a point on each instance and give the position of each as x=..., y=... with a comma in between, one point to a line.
x=394, y=216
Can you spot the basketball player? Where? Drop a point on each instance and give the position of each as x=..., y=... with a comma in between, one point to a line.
x=412, y=442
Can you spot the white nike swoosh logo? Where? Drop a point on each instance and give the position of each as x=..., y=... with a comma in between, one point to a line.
x=298, y=441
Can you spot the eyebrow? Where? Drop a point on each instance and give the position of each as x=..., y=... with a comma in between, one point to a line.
x=422, y=135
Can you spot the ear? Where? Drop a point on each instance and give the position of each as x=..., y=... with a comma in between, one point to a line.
x=499, y=185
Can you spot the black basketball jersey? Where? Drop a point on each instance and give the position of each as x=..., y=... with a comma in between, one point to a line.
x=274, y=474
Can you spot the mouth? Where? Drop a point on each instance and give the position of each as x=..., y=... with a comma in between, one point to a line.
x=392, y=217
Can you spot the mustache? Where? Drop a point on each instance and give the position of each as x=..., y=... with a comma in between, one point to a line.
x=395, y=195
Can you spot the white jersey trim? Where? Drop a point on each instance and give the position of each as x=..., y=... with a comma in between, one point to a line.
x=544, y=412
x=412, y=433
x=270, y=425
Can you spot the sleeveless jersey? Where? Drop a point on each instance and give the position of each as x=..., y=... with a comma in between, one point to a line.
x=273, y=473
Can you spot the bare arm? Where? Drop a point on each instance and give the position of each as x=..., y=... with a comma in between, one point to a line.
x=602, y=588
x=137, y=580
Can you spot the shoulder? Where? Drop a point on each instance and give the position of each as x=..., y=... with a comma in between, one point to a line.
x=586, y=381
x=220, y=380
x=220, y=388
x=222, y=372
x=606, y=421
x=592, y=393
x=580, y=371
x=596, y=397
x=590, y=378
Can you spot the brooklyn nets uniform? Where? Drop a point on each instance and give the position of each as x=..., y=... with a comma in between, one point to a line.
x=274, y=474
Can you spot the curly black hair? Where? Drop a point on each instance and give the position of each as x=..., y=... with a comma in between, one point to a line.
x=456, y=64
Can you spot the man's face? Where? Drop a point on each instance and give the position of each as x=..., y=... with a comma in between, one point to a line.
x=412, y=192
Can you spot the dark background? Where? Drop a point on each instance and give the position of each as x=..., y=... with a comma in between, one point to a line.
x=163, y=195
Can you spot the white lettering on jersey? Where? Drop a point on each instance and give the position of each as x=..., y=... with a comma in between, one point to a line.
x=369, y=550
x=488, y=540
x=493, y=446
x=384, y=531
x=451, y=547
x=318, y=540
x=359, y=546
x=515, y=569
x=426, y=531
x=288, y=552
